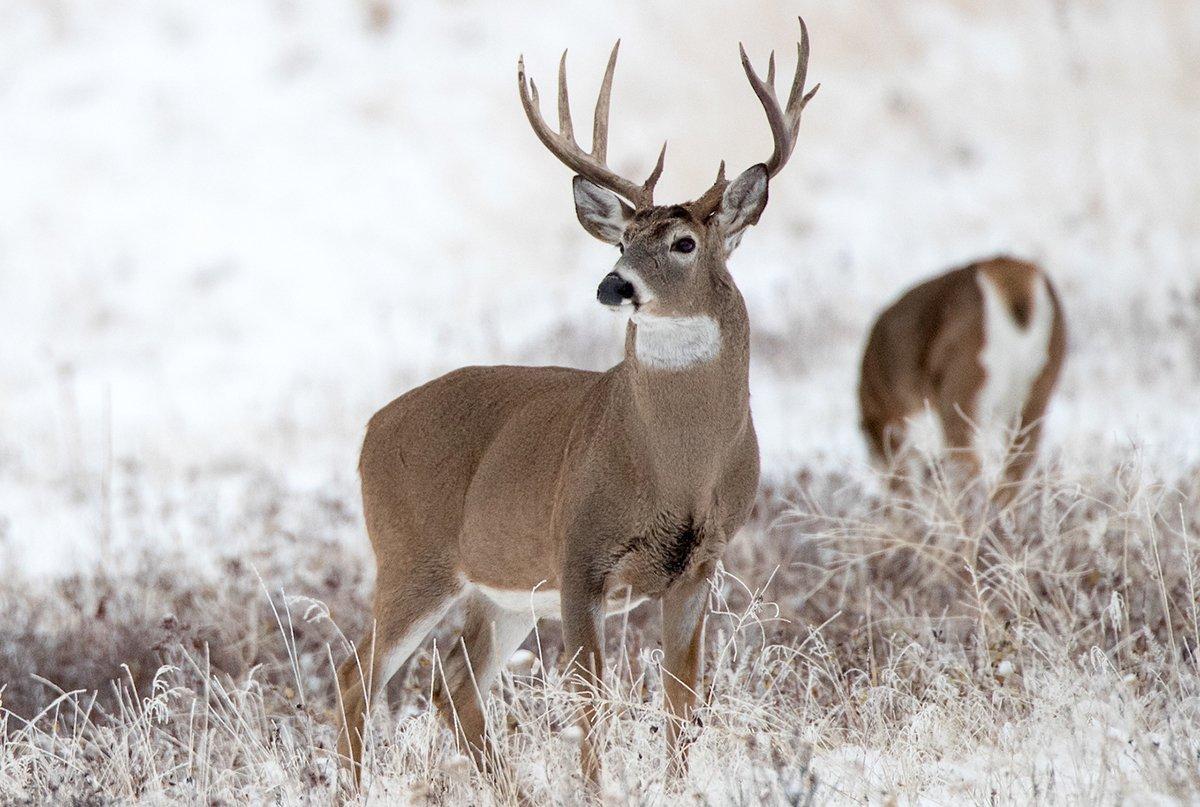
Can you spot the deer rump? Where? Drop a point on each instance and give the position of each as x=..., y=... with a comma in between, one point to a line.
x=979, y=347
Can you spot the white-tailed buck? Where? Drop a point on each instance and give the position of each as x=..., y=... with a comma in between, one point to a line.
x=535, y=492
x=980, y=346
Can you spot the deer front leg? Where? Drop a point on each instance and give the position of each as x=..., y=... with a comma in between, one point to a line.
x=683, y=608
x=583, y=638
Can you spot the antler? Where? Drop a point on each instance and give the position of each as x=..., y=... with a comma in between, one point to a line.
x=562, y=143
x=784, y=122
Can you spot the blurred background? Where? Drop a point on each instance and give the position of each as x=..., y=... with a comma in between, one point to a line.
x=229, y=232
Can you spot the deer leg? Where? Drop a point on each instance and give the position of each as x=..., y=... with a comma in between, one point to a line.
x=897, y=458
x=885, y=441
x=404, y=616
x=683, y=608
x=959, y=434
x=1021, y=454
x=489, y=636
x=356, y=678
x=583, y=638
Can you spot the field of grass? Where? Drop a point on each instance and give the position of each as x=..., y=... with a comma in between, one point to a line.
x=230, y=231
x=854, y=653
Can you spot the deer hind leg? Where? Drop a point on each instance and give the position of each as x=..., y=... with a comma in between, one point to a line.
x=959, y=433
x=1022, y=452
x=490, y=635
x=887, y=444
x=957, y=391
x=885, y=440
x=404, y=614
x=1025, y=449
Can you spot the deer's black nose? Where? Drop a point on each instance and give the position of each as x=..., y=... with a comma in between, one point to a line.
x=614, y=290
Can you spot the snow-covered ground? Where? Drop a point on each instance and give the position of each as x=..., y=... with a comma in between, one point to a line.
x=230, y=231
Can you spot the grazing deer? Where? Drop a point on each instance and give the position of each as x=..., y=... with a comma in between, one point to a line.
x=534, y=492
x=982, y=347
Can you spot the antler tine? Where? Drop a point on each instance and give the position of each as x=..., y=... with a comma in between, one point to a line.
x=797, y=91
x=652, y=180
x=564, y=104
x=603, y=100
x=562, y=143
x=707, y=202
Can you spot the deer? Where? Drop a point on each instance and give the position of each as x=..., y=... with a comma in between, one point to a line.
x=981, y=346
x=551, y=492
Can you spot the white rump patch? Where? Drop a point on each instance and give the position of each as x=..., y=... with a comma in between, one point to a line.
x=675, y=343
x=1012, y=358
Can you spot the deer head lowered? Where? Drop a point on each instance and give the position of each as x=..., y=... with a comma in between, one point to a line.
x=536, y=492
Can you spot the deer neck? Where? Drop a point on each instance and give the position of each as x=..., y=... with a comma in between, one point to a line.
x=688, y=386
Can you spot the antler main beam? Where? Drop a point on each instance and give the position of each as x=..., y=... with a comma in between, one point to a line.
x=562, y=144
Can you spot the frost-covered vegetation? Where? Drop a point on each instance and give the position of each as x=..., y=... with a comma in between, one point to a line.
x=229, y=231
x=853, y=653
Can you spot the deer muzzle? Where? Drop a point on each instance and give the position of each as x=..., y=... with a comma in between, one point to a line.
x=615, y=290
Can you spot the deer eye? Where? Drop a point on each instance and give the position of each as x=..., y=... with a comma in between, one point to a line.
x=684, y=245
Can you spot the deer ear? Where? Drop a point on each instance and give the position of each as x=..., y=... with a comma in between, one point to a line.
x=742, y=204
x=601, y=212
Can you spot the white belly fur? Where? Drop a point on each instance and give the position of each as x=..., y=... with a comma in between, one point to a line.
x=1012, y=357
x=545, y=602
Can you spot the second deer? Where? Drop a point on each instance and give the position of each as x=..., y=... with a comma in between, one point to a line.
x=981, y=346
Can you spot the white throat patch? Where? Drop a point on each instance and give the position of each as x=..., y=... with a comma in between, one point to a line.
x=674, y=343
